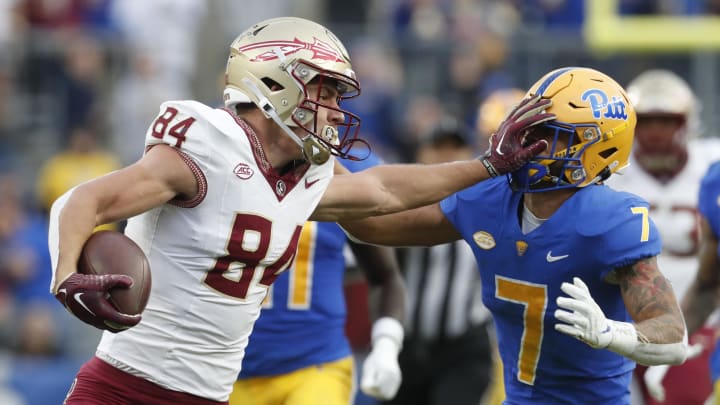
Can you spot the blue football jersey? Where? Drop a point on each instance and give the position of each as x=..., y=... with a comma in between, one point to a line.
x=303, y=317
x=709, y=207
x=593, y=232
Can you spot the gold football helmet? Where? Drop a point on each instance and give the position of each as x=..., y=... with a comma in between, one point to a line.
x=591, y=136
x=271, y=65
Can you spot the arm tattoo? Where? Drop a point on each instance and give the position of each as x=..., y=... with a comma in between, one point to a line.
x=651, y=302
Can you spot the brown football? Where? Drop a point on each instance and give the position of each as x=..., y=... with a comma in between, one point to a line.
x=111, y=252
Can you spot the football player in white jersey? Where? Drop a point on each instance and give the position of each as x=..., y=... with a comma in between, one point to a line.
x=217, y=204
x=668, y=162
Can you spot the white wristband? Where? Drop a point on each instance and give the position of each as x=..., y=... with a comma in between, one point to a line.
x=624, y=338
x=54, y=234
x=625, y=342
x=390, y=328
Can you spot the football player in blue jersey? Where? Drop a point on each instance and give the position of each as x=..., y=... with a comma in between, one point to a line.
x=703, y=296
x=298, y=352
x=568, y=265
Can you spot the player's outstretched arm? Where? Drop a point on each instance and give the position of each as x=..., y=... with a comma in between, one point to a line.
x=156, y=178
x=387, y=189
x=657, y=335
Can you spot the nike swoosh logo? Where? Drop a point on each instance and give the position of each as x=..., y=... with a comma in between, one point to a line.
x=550, y=258
x=309, y=183
x=500, y=142
x=78, y=298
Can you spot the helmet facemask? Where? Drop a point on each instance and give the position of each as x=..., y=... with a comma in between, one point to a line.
x=562, y=165
x=337, y=139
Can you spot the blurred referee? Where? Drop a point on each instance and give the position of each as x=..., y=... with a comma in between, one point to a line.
x=447, y=356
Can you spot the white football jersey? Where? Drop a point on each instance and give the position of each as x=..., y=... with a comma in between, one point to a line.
x=213, y=256
x=673, y=208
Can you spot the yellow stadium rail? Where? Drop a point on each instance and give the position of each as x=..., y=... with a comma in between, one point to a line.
x=606, y=30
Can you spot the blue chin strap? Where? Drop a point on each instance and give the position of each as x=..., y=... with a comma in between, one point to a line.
x=532, y=173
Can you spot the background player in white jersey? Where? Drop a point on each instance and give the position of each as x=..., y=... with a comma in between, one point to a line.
x=668, y=161
x=217, y=204
x=567, y=264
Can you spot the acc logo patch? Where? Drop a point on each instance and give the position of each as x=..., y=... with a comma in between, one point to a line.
x=243, y=171
x=484, y=240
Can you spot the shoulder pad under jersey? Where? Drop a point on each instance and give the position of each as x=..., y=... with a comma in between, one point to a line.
x=189, y=126
x=602, y=209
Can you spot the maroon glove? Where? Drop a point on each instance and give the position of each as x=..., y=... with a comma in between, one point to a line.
x=506, y=152
x=86, y=297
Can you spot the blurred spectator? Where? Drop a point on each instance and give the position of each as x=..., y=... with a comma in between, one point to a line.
x=47, y=26
x=422, y=115
x=80, y=90
x=37, y=331
x=24, y=259
x=161, y=37
x=83, y=159
x=37, y=361
x=559, y=15
x=447, y=354
x=381, y=77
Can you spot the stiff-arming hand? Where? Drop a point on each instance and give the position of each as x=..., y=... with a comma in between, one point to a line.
x=507, y=153
x=582, y=317
x=86, y=297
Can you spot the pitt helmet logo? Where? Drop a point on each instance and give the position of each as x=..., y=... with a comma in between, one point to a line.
x=321, y=50
x=603, y=106
x=484, y=240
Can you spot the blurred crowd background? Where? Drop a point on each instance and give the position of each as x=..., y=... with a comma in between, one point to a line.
x=80, y=80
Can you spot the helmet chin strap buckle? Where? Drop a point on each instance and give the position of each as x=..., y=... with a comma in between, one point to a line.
x=314, y=151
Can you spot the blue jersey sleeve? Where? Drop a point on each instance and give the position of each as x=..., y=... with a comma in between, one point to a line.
x=709, y=198
x=618, y=227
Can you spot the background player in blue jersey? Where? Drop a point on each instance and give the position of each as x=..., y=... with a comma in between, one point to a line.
x=703, y=297
x=567, y=264
x=298, y=352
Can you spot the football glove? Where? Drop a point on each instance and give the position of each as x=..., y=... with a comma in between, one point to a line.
x=87, y=297
x=381, y=376
x=507, y=151
x=582, y=318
